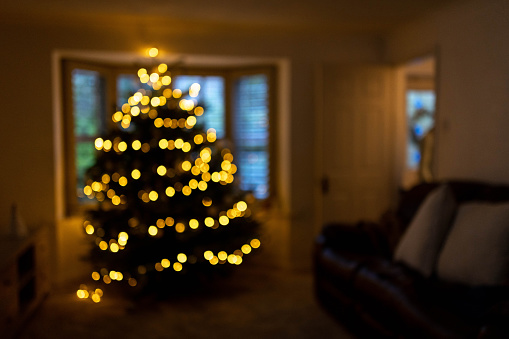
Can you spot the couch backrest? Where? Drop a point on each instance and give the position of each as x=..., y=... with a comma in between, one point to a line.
x=410, y=200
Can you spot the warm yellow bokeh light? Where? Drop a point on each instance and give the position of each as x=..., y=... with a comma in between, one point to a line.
x=123, y=236
x=144, y=78
x=246, y=249
x=89, y=229
x=186, y=165
x=222, y=255
x=191, y=121
x=232, y=258
x=241, y=206
x=179, y=143
x=194, y=90
x=158, y=123
x=206, y=201
x=152, y=230
x=193, y=183
x=171, y=144
x=142, y=71
x=177, y=266
x=153, y=195
x=165, y=263
x=180, y=227
x=216, y=177
x=224, y=220
x=122, y=146
x=255, y=243
x=153, y=78
x=198, y=139
x=117, y=116
x=153, y=52
x=136, y=145
x=145, y=100
x=208, y=255
x=114, y=247
x=111, y=193
x=87, y=190
x=166, y=80
x=103, y=245
x=186, y=190
x=198, y=111
x=193, y=223
x=99, y=142
x=169, y=221
x=162, y=68
x=160, y=223
x=136, y=174
x=186, y=147
x=161, y=170
x=107, y=145
x=135, y=111
x=155, y=101
x=122, y=181
x=206, y=176
x=181, y=257
x=105, y=178
x=170, y=191
x=177, y=93
x=163, y=143
x=209, y=222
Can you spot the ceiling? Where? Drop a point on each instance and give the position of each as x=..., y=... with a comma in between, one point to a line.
x=338, y=16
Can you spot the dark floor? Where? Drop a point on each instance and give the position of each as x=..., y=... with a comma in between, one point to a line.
x=263, y=303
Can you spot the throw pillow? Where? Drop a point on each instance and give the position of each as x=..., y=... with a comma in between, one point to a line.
x=476, y=251
x=420, y=244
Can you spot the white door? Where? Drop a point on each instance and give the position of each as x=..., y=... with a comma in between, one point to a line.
x=355, y=147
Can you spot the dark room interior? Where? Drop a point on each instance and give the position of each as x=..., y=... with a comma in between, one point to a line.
x=360, y=151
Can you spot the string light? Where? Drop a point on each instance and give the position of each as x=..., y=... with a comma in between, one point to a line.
x=153, y=52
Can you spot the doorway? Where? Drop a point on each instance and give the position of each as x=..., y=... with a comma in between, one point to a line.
x=419, y=116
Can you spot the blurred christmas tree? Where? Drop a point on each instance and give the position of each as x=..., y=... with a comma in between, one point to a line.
x=169, y=212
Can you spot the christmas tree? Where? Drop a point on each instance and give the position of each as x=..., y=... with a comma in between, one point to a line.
x=169, y=212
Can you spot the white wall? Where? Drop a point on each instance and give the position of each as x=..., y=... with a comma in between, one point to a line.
x=472, y=39
x=29, y=173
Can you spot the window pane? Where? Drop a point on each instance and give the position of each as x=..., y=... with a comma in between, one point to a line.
x=88, y=103
x=211, y=97
x=88, y=111
x=127, y=85
x=251, y=133
x=85, y=158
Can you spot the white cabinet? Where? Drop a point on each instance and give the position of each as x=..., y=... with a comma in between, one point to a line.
x=24, y=278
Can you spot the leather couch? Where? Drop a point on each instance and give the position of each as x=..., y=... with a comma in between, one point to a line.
x=358, y=281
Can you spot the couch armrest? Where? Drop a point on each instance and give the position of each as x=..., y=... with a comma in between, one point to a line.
x=363, y=237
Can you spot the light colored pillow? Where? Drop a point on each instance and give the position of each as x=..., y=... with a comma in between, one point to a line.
x=476, y=251
x=420, y=244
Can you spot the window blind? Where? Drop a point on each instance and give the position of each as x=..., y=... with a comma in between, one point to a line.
x=211, y=96
x=88, y=112
x=251, y=132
